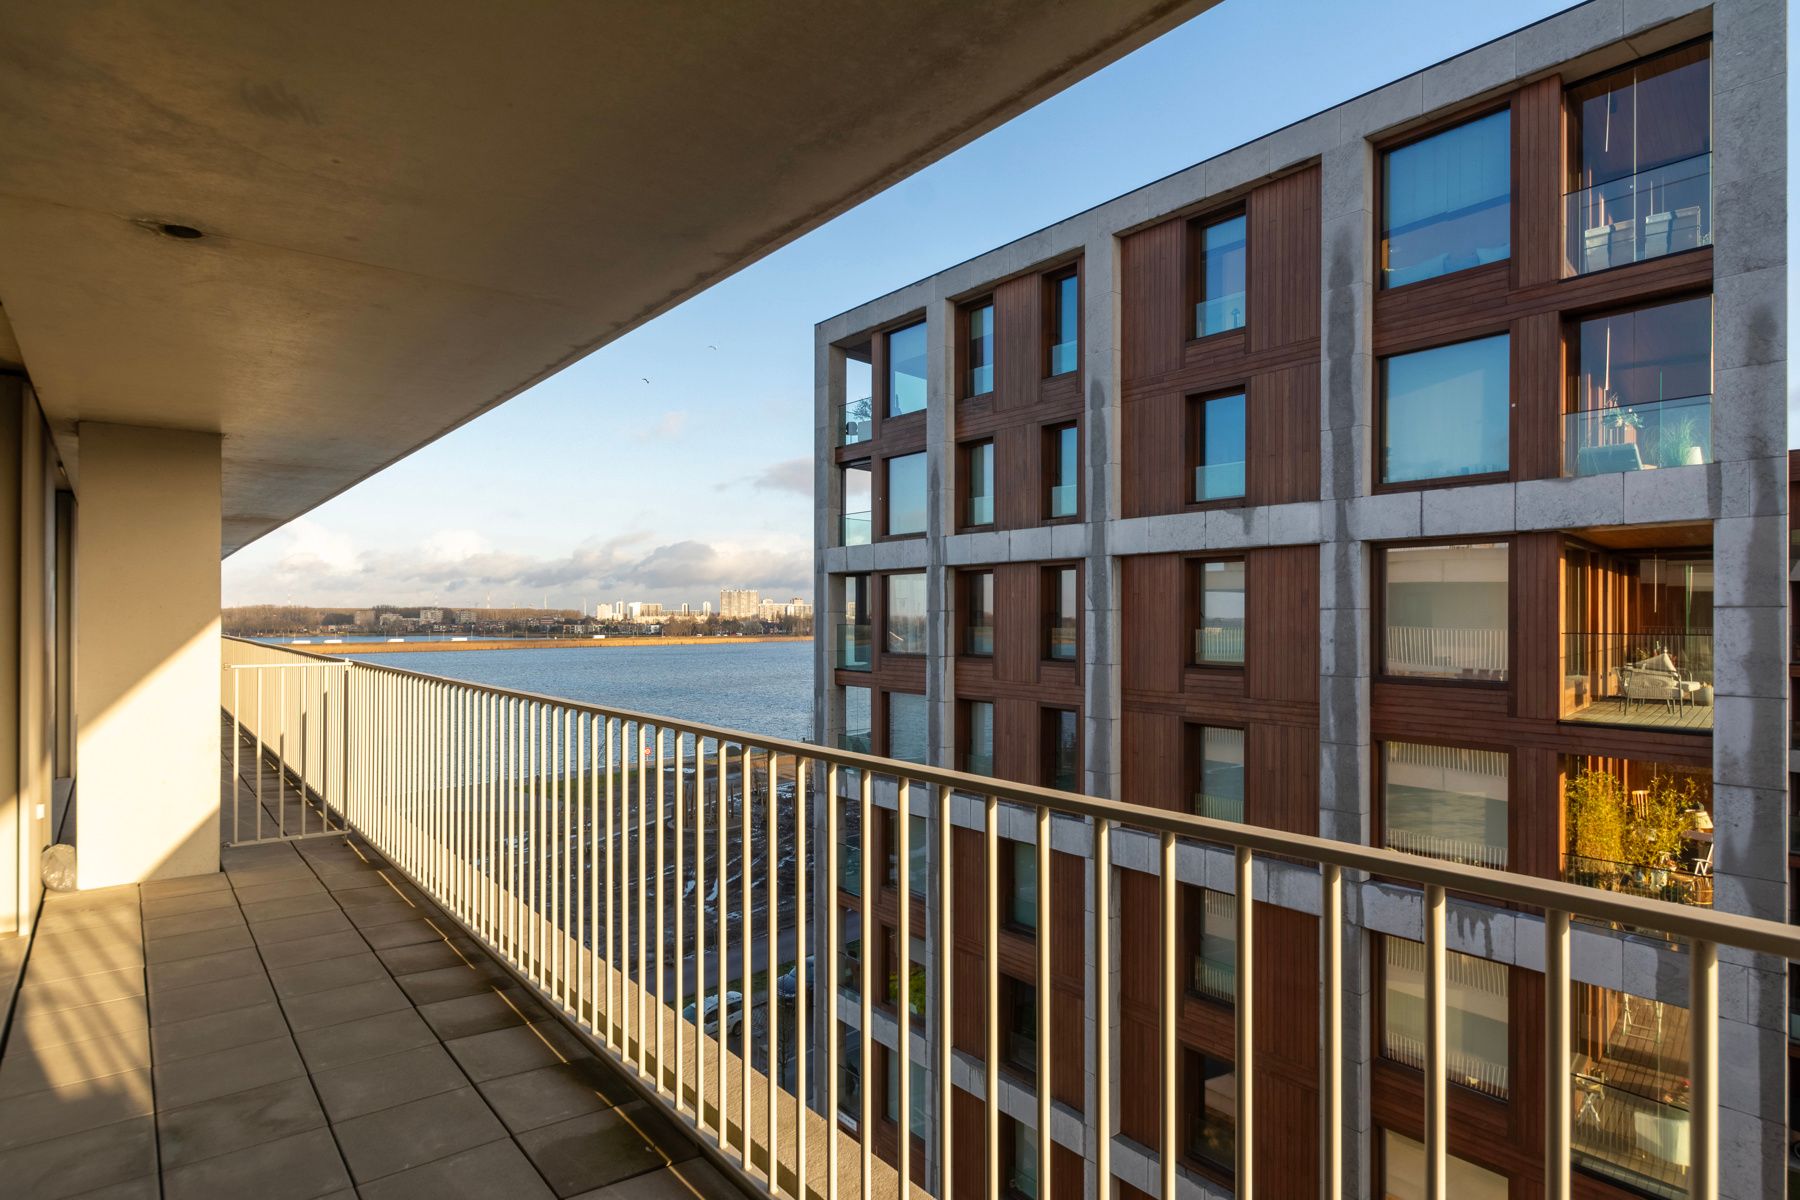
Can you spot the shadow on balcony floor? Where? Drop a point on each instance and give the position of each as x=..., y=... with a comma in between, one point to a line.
x=1645, y=714
x=302, y=1024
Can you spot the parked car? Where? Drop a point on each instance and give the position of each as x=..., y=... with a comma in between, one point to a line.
x=734, y=1003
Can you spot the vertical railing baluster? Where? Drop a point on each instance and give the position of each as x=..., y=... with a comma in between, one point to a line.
x=1557, y=1114
x=745, y=1000
x=680, y=903
x=1046, y=1137
x=259, y=752
x=865, y=1115
x=1101, y=969
x=903, y=979
x=641, y=752
x=945, y=956
x=1703, y=1068
x=1171, y=997
x=991, y=990
x=833, y=1036
x=1245, y=1142
x=801, y=769
x=1331, y=1032
x=566, y=879
x=721, y=769
x=700, y=937
x=612, y=918
x=772, y=1014
x=1436, y=1079
x=660, y=977
x=237, y=740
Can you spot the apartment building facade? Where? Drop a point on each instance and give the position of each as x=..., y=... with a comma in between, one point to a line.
x=1414, y=476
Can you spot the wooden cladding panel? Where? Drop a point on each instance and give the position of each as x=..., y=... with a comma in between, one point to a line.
x=1482, y=716
x=1281, y=652
x=1152, y=749
x=1537, y=388
x=1536, y=604
x=1281, y=784
x=1539, y=170
x=1152, y=622
x=1283, y=261
x=1282, y=431
x=1019, y=326
x=1154, y=315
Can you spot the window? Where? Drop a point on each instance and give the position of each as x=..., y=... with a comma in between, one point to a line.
x=918, y=853
x=1062, y=749
x=1218, y=275
x=1475, y=1014
x=981, y=349
x=1216, y=446
x=1446, y=611
x=1445, y=802
x=1212, y=943
x=1021, y=885
x=1061, y=613
x=1446, y=412
x=1063, y=462
x=978, y=613
x=1209, y=1110
x=849, y=1075
x=856, y=719
x=905, y=613
x=906, y=727
x=1640, y=161
x=857, y=505
x=1021, y=1026
x=1219, y=619
x=906, y=495
x=1065, y=322
x=1631, y=1082
x=918, y=1084
x=1641, y=389
x=979, y=757
x=853, y=634
x=906, y=370
x=1403, y=1170
x=978, y=462
x=1446, y=201
x=1022, y=1161
x=1216, y=771
x=916, y=978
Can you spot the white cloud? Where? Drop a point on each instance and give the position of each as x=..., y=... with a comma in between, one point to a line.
x=668, y=428
x=454, y=545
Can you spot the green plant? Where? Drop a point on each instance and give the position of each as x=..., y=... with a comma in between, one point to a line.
x=1677, y=436
x=1596, y=809
x=1624, y=417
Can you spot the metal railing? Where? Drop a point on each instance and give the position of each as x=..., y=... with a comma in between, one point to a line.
x=856, y=421
x=559, y=833
x=1442, y=651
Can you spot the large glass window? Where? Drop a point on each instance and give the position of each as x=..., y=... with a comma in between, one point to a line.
x=1446, y=610
x=1641, y=393
x=1062, y=749
x=1475, y=1015
x=1446, y=412
x=1062, y=611
x=918, y=1084
x=1022, y=886
x=857, y=504
x=853, y=634
x=1403, y=1168
x=1219, y=619
x=905, y=624
x=1064, y=457
x=1446, y=201
x=1209, y=1105
x=981, y=349
x=1216, y=446
x=1216, y=770
x=906, y=727
x=1641, y=168
x=1065, y=322
x=1021, y=1026
x=1212, y=943
x=978, y=461
x=856, y=719
x=979, y=757
x=1445, y=802
x=978, y=613
x=906, y=494
x=906, y=370
x=1219, y=276
x=1022, y=1163
x=1631, y=1085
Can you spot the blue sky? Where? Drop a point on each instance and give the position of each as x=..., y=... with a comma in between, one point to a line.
x=596, y=485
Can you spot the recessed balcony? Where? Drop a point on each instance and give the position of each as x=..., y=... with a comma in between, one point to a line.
x=1662, y=210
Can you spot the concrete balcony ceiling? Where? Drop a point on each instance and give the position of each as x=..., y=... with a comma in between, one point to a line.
x=411, y=212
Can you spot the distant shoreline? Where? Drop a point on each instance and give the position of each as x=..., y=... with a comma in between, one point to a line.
x=317, y=646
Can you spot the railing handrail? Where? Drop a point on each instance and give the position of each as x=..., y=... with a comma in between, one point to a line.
x=1633, y=176
x=1755, y=934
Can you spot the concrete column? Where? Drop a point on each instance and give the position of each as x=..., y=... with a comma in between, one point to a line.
x=1100, y=462
x=828, y=516
x=1750, y=557
x=148, y=678
x=940, y=521
x=1346, y=423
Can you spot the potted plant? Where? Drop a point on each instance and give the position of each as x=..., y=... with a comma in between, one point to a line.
x=1595, y=803
x=1653, y=840
x=1623, y=418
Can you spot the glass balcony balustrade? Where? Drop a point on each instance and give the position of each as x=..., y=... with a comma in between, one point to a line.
x=1638, y=437
x=853, y=647
x=1219, y=481
x=858, y=527
x=856, y=421
x=1662, y=210
x=979, y=640
x=981, y=510
x=1063, y=500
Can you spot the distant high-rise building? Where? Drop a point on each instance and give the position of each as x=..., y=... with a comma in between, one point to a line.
x=706, y=608
x=431, y=616
x=739, y=602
